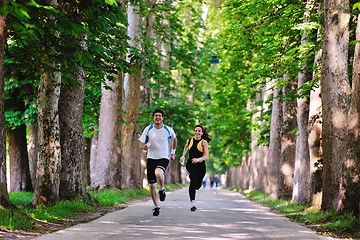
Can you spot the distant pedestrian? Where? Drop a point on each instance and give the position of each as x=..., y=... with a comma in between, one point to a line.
x=217, y=181
x=204, y=181
x=195, y=165
x=160, y=143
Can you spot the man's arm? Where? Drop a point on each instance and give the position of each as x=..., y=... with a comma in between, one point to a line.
x=173, y=148
x=143, y=146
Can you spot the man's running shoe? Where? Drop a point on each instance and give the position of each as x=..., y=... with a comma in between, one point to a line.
x=193, y=208
x=156, y=211
x=162, y=195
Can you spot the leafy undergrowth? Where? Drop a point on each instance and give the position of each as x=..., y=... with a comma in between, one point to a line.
x=330, y=223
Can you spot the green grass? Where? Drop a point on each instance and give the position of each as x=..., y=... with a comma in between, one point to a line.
x=14, y=219
x=111, y=197
x=331, y=223
x=24, y=216
x=60, y=210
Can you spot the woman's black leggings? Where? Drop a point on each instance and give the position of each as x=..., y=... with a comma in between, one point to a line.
x=196, y=174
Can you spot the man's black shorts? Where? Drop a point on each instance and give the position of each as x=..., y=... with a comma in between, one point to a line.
x=152, y=164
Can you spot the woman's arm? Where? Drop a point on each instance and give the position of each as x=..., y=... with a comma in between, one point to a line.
x=186, y=148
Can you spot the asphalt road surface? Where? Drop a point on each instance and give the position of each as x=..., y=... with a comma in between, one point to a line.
x=221, y=215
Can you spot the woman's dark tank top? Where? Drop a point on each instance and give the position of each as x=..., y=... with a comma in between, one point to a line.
x=194, y=152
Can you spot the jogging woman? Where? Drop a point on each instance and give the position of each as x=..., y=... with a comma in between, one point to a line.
x=195, y=165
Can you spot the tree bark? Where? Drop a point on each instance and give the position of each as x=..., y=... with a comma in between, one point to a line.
x=273, y=157
x=107, y=166
x=350, y=194
x=93, y=160
x=315, y=138
x=49, y=155
x=257, y=170
x=130, y=162
x=20, y=179
x=302, y=184
x=288, y=143
x=4, y=196
x=87, y=161
x=335, y=92
x=72, y=139
x=33, y=150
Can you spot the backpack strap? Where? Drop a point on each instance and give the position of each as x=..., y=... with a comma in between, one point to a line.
x=147, y=134
x=167, y=129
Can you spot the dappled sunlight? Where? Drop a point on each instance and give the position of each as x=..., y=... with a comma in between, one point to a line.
x=221, y=215
x=287, y=171
x=339, y=117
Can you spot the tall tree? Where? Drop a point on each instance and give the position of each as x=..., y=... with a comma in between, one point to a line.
x=107, y=164
x=335, y=92
x=257, y=169
x=130, y=161
x=20, y=179
x=32, y=150
x=4, y=196
x=49, y=149
x=302, y=180
x=288, y=141
x=149, y=23
x=273, y=156
x=350, y=195
x=72, y=180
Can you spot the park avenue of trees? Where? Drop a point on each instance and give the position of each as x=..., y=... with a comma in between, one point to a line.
x=79, y=80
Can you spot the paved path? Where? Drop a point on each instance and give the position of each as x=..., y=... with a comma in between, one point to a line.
x=221, y=215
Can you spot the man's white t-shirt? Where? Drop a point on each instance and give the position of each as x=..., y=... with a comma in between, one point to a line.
x=159, y=141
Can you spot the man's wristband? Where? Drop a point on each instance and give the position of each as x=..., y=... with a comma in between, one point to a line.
x=173, y=151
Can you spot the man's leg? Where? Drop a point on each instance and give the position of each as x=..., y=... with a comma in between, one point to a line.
x=160, y=175
x=153, y=194
x=156, y=210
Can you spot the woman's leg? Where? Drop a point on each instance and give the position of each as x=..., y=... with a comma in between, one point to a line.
x=200, y=170
x=192, y=175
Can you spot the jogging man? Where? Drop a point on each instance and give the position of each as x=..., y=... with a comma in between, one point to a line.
x=160, y=143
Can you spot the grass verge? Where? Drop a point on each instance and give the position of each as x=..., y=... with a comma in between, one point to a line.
x=329, y=223
x=24, y=218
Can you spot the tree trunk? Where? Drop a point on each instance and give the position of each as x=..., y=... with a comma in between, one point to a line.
x=240, y=178
x=315, y=139
x=72, y=139
x=301, y=191
x=335, y=92
x=302, y=183
x=257, y=170
x=350, y=194
x=137, y=168
x=33, y=150
x=145, y=96
x=93, y=160
x=20, y=179
x=288, y=143
x=87, y=160
x=273, y=157
x=4, y=196
x=49, y=156
x=107, y=166
x=129, y=163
